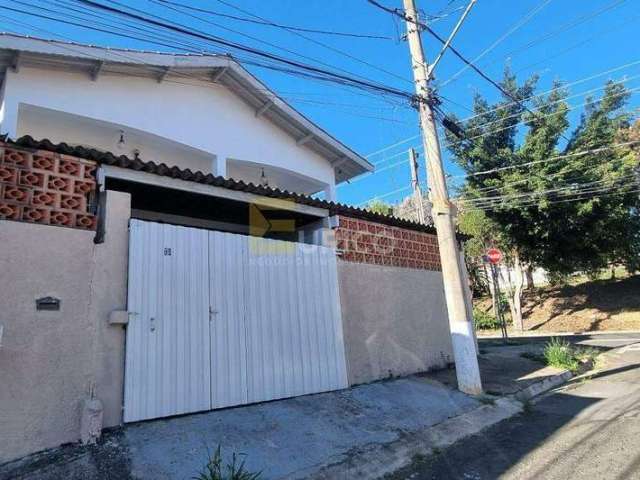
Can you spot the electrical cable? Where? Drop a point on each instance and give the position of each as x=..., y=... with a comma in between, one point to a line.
x=309, y=69
x=523, y=21
x=276, y=25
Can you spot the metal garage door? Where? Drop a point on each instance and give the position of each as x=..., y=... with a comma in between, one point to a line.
x=218, y=319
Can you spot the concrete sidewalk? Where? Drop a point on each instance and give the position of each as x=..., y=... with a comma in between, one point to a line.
x=287, y=438
x=508, y=370
x=362, y=432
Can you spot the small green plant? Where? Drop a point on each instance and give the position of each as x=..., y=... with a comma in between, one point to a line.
x=560, y=354
x=214, y=470
x=485, y=320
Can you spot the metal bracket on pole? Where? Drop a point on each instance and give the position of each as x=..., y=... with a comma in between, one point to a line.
x=443, y=207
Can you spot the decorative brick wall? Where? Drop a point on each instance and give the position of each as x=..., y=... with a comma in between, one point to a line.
x=47, y=188
x=364, y=241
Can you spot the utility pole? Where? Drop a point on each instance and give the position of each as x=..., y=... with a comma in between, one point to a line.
x=443, y=212
x=415, y=185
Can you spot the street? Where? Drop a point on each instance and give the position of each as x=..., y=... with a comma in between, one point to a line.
x=587, y=429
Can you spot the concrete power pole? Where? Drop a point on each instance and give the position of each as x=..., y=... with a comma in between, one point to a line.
x=415, y=184
x=443, y=212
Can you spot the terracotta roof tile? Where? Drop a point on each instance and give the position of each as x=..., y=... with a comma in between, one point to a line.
x=122, y=161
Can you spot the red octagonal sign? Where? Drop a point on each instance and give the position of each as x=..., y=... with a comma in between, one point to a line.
x=494, y=255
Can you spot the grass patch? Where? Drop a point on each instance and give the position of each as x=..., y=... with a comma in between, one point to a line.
x=215, y=470
x=561, y=354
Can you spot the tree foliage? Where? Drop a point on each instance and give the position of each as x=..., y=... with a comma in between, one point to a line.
x=378, y=206
x=575, y=212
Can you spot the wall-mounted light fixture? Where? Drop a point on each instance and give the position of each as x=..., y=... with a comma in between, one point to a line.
x=121, y=141
x=263, y=179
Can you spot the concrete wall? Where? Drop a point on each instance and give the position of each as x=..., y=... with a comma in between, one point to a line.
x=202, y=116
x=49, y=359
x=394, y=321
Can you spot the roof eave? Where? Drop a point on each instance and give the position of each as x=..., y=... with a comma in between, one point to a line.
x=222, y=69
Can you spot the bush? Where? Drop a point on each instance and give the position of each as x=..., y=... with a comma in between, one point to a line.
x=560, y=354
x=485, y=320
x=214, y=470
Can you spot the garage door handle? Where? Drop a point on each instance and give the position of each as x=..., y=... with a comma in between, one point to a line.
x=152, y=324
x=212, y=313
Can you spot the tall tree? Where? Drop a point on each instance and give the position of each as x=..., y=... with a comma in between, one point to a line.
x=564, y=210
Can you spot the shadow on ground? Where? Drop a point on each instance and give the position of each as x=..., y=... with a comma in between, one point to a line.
x=496, y=450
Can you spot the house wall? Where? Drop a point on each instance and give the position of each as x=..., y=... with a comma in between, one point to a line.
x=392, y=297
x=394, y=321
x=202, y=116
x=50, y=359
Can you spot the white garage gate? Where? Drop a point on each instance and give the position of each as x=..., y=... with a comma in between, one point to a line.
x=219, y=319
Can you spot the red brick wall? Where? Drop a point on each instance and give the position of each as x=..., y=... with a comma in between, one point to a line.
x=47, y=188
x=370, y=242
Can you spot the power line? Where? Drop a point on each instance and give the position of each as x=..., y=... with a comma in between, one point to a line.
x=306, y=57
x=426, y=27
x=562, y=86
x=570, y=187
x=316, y=42
x=615, y=28
x=197, y=78
x=564, y=27
x=532, y=13
x=309, y=69
x=580, y=197
x=549, y=176
x=632, y=91
x=557, y=157
x=277, y=25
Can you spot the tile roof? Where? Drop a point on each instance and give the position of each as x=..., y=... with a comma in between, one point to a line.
x=122, y=161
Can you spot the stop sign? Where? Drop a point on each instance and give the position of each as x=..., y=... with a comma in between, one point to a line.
x=494, y=255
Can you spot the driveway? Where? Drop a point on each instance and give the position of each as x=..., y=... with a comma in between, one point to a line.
x=286, y=438
x=586, y=430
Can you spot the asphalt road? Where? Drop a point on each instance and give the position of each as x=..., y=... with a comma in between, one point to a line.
x=590, y=429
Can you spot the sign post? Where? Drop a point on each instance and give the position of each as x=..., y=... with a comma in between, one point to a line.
x=494, y=257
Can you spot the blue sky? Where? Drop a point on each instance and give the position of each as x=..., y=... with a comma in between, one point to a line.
x=569, y=40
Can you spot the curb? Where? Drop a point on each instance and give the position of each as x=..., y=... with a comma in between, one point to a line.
x=542, y=386
x=587, y=333
x=377, y=460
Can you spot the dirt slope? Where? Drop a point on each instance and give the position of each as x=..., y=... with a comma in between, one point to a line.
x=591, y=306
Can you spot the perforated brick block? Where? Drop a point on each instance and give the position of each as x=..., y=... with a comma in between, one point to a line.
x=45, y=162
x=60, y=184
x=90, y=172
x=86, y=221
x=9, y=211
x=8, y=174
x=16, y=194
x=36, y=215
x=370, y=242
x=31, y=179
x=17, y=158
x=83, y=188
x=65, y=219
x=45, y=187
x=70, y=167
x=45, y=199
x=73, y=202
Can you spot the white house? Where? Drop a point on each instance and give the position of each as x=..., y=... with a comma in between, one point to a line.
x=161, y=253
x=202, y=112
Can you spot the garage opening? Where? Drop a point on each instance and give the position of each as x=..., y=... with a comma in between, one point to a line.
x=178, y=207
x=220, y=319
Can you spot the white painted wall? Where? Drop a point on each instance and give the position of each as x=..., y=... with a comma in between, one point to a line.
x=207, y=119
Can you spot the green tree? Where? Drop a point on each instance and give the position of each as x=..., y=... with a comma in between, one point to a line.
x=378, y=206
x=574, y=212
